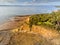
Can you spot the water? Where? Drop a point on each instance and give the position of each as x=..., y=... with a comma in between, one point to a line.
x=7, y=11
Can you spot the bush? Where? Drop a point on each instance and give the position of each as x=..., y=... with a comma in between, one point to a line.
x=50, y=20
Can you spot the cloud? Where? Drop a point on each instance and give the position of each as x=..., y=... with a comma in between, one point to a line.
x=3, y=1
x=29, y=2
x=7, y=2
x=34, y=0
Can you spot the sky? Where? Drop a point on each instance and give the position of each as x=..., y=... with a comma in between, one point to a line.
x=29, y=2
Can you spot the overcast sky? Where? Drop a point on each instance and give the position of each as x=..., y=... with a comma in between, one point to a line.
x=30, y=2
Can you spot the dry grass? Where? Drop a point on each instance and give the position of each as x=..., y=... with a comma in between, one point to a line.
x=28, y=39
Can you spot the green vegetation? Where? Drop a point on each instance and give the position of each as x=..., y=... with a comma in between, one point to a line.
x=51, y=20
